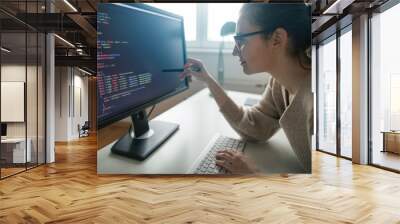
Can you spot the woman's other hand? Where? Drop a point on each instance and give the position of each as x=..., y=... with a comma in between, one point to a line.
x=234, y=162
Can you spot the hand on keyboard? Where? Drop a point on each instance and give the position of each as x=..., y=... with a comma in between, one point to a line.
x=233, y=162
x=208, y=164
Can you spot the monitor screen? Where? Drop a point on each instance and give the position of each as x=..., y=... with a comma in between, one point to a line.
x=139, y=52
x=3, y=129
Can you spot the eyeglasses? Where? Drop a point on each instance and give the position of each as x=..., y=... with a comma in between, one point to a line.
x=241, y=39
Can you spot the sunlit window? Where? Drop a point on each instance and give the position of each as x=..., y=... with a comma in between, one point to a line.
x=385, y=86
x=218, y=14
x=395, y=102
x=327, y=96
x=187, y=10
x=346, y=94
x=207, y=17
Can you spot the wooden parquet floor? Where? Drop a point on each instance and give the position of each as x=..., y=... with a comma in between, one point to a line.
x=70, y=191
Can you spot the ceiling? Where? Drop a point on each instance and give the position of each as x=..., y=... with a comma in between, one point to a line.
x=77, y=25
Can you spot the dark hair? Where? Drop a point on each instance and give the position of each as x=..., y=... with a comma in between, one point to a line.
x=295, y=18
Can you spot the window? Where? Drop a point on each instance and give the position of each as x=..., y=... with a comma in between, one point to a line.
x=385, y=87
x=346, y=94
x=394, y=101
x=203, y=21
x=187, y=10
x=216, y=19
x=327, y=96
x=335, y=108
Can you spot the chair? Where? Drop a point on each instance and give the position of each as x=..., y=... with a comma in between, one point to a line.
x=84, y=130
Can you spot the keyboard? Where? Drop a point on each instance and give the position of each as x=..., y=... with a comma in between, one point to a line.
x=206, y=163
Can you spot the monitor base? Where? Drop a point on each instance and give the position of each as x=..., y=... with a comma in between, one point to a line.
x=141, y=147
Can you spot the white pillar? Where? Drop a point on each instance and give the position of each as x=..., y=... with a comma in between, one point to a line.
x=50, y=92
x=360, y=90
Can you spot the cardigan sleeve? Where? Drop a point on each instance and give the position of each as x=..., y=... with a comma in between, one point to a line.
x=257, y=123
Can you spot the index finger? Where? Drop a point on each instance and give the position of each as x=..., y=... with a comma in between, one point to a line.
x=193, y=61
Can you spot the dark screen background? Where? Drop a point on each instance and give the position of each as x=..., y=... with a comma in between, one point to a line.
x=133, y=48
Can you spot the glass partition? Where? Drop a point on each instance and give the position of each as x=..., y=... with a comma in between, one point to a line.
x=22, y=92
x=13, y=104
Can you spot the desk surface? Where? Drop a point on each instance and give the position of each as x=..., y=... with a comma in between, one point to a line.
x=390, y=132
x=13, y=140
x=199, y=120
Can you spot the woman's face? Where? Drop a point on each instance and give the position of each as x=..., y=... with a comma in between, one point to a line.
x=255, y=52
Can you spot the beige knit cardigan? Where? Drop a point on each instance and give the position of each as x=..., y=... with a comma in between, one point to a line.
x=274, y=111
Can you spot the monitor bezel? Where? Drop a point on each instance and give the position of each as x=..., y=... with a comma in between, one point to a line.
x=102, y=123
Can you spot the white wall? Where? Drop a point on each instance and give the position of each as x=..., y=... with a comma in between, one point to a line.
x=17, y=73
x=12, y=101
x=61, y=103
x=80, y=83
x=14, y=73
x=68, y=83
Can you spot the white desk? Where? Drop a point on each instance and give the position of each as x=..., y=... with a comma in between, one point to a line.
x=199, y=120
x=18, y=145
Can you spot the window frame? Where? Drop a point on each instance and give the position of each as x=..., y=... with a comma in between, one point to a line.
x=202, y=41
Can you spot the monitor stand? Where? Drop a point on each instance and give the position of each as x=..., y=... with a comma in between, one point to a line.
x=144, y=138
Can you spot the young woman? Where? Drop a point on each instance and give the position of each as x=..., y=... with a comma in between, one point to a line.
x=276, y=39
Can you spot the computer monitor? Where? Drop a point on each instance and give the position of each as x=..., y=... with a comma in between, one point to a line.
x=140, y=53
x=3, y=130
